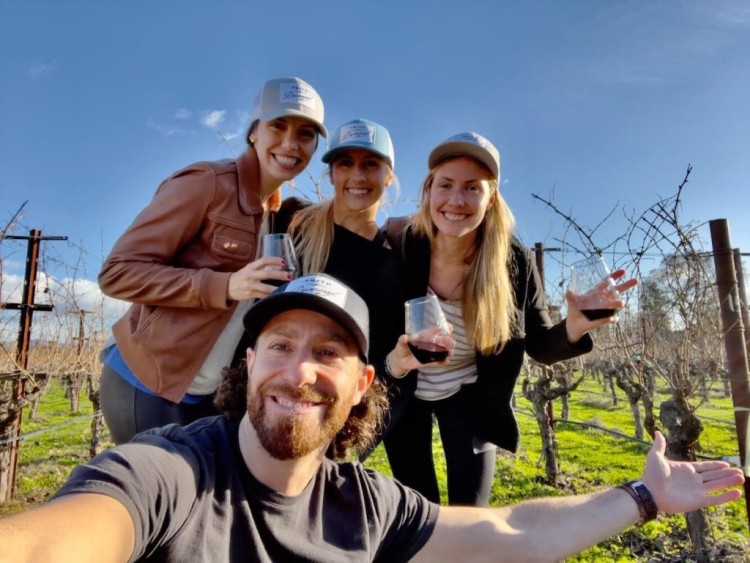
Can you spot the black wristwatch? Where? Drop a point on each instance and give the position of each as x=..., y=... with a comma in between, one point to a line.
x=643, y=498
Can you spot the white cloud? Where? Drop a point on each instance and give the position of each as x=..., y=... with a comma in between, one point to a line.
x=166, y=130
x=238, y=128
x=38, y=69
x=67, y=296
x=71, y=295
x=212, y=119
x=11, y=286
x=18, y=265
x=179, y=123
x=75, y=294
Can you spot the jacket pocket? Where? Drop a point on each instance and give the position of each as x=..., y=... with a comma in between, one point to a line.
x=171, y=343
x=230, y=239
x=145, y=317
x=232, y=247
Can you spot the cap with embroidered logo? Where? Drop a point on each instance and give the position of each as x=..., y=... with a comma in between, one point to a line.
x=320, y=293
x=361, y=134
x=281, y=97
x=469, y=144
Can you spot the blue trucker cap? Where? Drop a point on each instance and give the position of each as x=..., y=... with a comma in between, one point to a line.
x=361, y=134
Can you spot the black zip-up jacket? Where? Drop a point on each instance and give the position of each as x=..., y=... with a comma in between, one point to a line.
x=494, y=420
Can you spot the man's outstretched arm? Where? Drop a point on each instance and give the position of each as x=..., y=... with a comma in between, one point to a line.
x=553, y=528
x=79, y=527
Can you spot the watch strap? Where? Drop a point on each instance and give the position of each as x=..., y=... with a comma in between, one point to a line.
x=643, y=498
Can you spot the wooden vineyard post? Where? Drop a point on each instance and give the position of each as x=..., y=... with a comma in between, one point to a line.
x=10, y=437
x=734, y=339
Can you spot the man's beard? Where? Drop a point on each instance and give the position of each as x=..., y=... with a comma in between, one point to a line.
x=293, y=435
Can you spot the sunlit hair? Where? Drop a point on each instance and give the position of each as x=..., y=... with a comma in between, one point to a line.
x=274, y=201
x=312, y=233
x=355, y=437
x=312, y=230
x=487, y=300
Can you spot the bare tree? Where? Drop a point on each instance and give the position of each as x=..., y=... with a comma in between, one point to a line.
x=672, y=334
x=542, y=385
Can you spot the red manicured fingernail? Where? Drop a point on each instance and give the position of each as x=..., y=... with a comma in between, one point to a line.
x=283, y=262
x=289, y=276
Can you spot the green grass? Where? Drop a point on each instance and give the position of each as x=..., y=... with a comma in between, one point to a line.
x=46, y=458
x=589, y=460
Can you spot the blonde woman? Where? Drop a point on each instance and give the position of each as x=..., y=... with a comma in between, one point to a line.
x=187, y=264
x=340, y=236
x=460, y=246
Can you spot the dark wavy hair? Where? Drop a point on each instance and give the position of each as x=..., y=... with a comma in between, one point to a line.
x=358, y=433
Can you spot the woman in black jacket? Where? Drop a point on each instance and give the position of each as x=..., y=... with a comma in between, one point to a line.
x=340, y=236
x=460, y=246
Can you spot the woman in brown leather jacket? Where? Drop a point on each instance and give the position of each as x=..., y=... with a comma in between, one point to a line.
x=187, y=264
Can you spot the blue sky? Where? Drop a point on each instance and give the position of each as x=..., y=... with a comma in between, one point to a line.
x=599, y=103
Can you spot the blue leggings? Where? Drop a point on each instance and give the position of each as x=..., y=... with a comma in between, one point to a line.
x=409, y=449
x=128, y=411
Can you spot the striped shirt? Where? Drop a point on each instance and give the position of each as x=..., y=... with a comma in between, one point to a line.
x=435, y=383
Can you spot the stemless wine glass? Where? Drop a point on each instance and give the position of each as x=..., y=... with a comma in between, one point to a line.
x=429, y=335
x=279, y=245
x=594, y=287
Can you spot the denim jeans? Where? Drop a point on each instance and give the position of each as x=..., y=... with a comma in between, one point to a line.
x=128, y=411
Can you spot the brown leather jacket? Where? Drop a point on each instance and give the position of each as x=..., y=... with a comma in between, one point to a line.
x=173, y=263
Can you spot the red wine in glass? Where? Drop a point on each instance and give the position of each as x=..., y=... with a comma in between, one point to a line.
x=278, y=283
x=594, y=288
x=427, y=352
x=279, y=245
x=427, y=329
x=595, y=314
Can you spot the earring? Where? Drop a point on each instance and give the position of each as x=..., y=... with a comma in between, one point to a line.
x=252, y=140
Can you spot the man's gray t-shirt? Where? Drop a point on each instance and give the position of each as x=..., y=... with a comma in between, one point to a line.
x=192, y=498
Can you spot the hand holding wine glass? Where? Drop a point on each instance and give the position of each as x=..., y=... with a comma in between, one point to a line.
x=279, y=245
x=275, y=264
x=594, y=297
x=427, y=330
x=594, y=288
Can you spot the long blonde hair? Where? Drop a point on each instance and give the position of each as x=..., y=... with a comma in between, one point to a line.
x=312, y=228
x=488, y=299
x=312, y=233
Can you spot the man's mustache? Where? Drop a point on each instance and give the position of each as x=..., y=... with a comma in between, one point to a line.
x=307, y=393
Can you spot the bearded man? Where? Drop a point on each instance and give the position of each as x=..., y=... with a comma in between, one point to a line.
x=260, y=488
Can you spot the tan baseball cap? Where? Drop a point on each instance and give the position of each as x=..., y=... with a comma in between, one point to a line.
x=468, y=144
x=289, y=96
